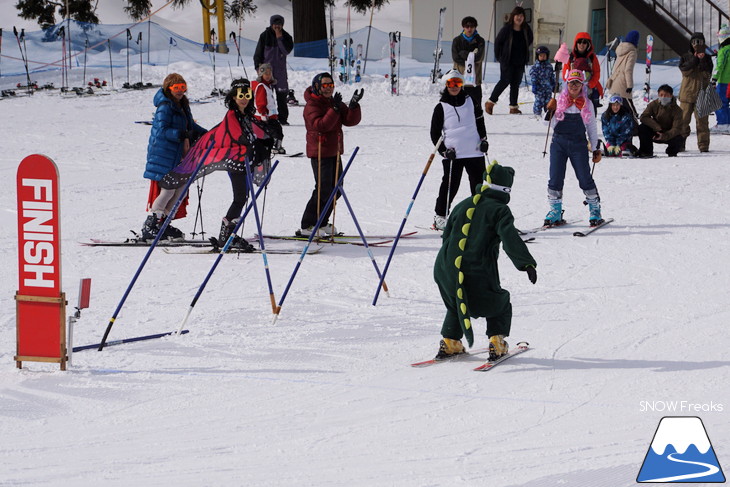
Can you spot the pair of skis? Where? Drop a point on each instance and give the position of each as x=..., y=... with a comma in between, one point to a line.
x=521, y=347
x=438, y=52
x=394, y=38
x=578, y=233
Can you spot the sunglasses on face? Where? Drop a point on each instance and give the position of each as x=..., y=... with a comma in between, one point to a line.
x=178, y=88
x=583, y=41
x=242, y=93
x=454, y=83
x=328, y=85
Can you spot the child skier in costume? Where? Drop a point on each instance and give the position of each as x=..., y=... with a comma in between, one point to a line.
x=466, y=266
x=464, y=144
x=618, y=127
x=542, y=78
x=572, y=121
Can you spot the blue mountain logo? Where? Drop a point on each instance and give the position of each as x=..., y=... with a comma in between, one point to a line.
x=681, y=452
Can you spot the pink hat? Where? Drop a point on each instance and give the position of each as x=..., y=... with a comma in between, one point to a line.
x=575, y=74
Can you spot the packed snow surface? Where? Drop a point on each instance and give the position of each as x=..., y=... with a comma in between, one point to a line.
x=622, y=323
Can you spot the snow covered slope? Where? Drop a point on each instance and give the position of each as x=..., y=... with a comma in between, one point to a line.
x=636, y=312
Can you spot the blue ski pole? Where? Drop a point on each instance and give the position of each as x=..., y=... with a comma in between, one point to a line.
x=314, y=232
x=154, y=244
x=408, y=212
x=225, y=248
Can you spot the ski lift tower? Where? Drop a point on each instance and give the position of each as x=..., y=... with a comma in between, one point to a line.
x=210, y=8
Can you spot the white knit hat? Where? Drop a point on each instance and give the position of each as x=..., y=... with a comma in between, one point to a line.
x=451, y=75
x=723, y=33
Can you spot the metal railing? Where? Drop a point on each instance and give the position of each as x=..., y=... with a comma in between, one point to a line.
x=693, y=16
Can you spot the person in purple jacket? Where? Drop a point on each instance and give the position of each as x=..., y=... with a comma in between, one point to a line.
x=273, y=47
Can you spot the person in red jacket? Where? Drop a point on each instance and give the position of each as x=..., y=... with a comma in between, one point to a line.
x=583, y=48
x=324, y=116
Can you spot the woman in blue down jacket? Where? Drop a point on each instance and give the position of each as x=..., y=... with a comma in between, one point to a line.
x=173, y=133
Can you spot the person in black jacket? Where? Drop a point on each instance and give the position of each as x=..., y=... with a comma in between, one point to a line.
x=512, y=50
x=465, y=43
x=273, y=47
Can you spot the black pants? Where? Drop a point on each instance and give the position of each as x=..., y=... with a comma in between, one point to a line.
x=475, y=168
x=646, y=141
x=324, y=187
x=508, y=76
x=282, y=106
x=240, y=194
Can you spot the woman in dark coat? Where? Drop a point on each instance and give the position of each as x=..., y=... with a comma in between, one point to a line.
x=324, y=116
x=512, y=50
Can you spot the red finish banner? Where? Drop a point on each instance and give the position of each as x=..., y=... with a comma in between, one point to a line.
x=40, y=301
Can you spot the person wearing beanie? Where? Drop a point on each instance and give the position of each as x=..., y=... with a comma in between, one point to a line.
x=661, y=123
x=721, y=77
x=512, y=50
x=469, y=41
x=172, y=134
x=573, y=120
x=267, y=110
x=618, y=128
x=542, y=78
x=273, y=47
x=696, y=68
x=621, y=81
x=324, y=116
x=459, y=120
x=466, y=268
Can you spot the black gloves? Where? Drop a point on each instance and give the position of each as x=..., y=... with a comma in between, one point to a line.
x=356, y=97
x=336, y=100
x=484, y=145
x=450, y=153
x=531, y=274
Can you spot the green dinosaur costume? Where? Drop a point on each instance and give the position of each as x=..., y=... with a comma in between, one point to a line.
x=466, y=266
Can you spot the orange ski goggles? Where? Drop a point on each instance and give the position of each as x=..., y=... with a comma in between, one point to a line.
x=178, y=88
x=454, y=83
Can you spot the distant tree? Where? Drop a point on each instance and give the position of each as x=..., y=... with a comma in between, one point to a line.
x=139, y=9
x=237, y=10
x=45, y=11
x=363, y=6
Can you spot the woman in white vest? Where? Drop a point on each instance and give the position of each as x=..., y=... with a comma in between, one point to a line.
x=464, y=145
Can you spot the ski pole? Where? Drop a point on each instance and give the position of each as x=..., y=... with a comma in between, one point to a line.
x=161, y=231
x=367, y=43
x=223, y=250
x=448, y=189
x=199, y=212
x=364, y=240
x=141, y=48
x=319, y=176
x=86, y=50
x=129, y=38
x=111, y=66
x=338, y=161
x=213, y=42
x=238, y=49
x=314, y=232
x=22, y=55
x=259, y=228
x=408, y=212
x=1, y=52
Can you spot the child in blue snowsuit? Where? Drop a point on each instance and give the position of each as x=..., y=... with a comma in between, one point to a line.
x=618, y=127
x=542, y=78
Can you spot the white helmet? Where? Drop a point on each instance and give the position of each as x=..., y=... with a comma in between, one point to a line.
x=451, y=75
